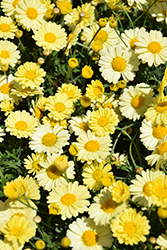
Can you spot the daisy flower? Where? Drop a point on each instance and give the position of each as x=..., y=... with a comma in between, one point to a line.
x=7, y=106
x=50, y=176
x=82, y=16
x=135, y=100
x=72, y=38
x=50, y=36
x=120, y=191
x=103, y=121
x=131, y=36
x=162, y=241
x=150, y=135
x=93, y=147
x=117, y=62
x=157, y=112
x=30, y=14
x=159, y=155
x=104, y=208
x=21, y=124
x=72, y=91
x=84, y=234
x=79, y=124
x=118, y=159
x=139, y=3
x=7, y=27
x=8, y=53
x=140, y=189
x=93, y=174
x=158, y=189
x=130, y=227
x=107, y=36
x=159, y=11
x=2, y=134
x=60, y=106
x=152, y=48
x=32, y=163
x=9, y=6
x=30, y=75
x=71, y=199
x=95, y=90
x=65, y=6
x=49, y=140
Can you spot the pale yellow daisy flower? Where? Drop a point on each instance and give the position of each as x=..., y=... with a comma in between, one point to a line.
x=72, y=91
x=7, y=106
x=130, y=37
x=71, y=198
x=120, y=191
x=9, y=6
x=8, y=53
x=7, y=27
x=95, y=90
x=32, y=163
x=21, y=124
x=65, y=6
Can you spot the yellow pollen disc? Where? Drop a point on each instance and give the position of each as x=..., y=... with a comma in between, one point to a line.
x=16, y=231
x=15, y=2
x=6, y=88
x=137, y=101
x=130, y=228
x=159, y=131
x=49, y=139
x=108, y=105
x=50, y=37
x=162, y=148
x=21, y=125
x=5, y=54
x=36, y=165
x=84, y=126
x=161, y=192
x=98, y=91
x=132, y=43
x=118, y=64
x=161, y=107
x=92, y=146
x=32, y=13
x=70, y=36
x=4, y=27
x=109, y=206
x=60, y=107
x=97, y=174
x=68, y=199
x=146, y=189
x=89, y=238
x=103, y=121
x=52, y=172
x=101, y=35
x=154, y=47
x=30, y=74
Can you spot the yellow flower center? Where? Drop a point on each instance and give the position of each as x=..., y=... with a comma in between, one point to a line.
x=49, y=139
x=137, y=101
x=32, y=13
x=4, y=27
x=130, y=228
x=54, y=209
x=103, y=121
x=92, y=146
x=70, y=36
x=36, y=165
x=161, y=192
x=30, y=74
x=50, y=37
x=109, y=206
x=84, y=126
x=97, y=174
x=21, y=125
x=60, y=107
x=146, y=189
x=159, y=131
x=101, y=35
x=132, y=43
x=68, y=199
x=15, y=2
x=98, y=91
x=52, y=172
x=6, y=88
x=161, y=107
x=16, y=230
x=118, y=64
x=5, y=54
x=162, y=148
x=154, y=47
x=69, y=93
x=89, y=238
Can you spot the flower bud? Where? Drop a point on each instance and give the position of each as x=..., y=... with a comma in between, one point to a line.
x=97, y=46
x=49, y=13
x=113, y=23
x=61, y=163
x=19, y=33
x=40, y=60
x=46, y=52
x=153, y=240
x=87, y=72
x=73, y=63
x=40, y=244
x=73, y=150
x=85, y=101
x=162, y=212
x=37, y=219
x=65, y=242
x=102, y=22
x=4, y=67
x=56, y=11
x=82, y=14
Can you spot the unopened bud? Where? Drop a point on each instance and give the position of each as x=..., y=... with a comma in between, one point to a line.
x=82, y=14
x=73, y=63
x=153, y=240
x=56, y=11
x=83, y=38
x=65, y=242
x=37, y=219
x=40, y=244
x=94, y=3
x=113, y=23
x=61, y=163
x=4, y=67
x=102, y=22
x=19, y=33
x=85, y=101
x=40, y=60
x=46, y=52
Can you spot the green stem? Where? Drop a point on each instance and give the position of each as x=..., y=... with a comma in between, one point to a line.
x=65, y=175
x=94, y=35
x=46, y=225
x=115, y=143
x=69, y=71
x=120, y=37
x=24, y=49
x=130, y=20
x=28, y=205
